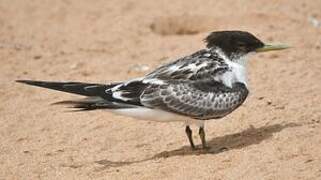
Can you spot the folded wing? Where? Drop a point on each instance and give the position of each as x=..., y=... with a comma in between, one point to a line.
x=200, y=100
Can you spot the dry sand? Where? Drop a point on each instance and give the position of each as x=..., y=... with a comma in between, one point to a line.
x=276, y=134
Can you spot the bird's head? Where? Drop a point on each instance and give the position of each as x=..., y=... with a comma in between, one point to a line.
x=236, y=44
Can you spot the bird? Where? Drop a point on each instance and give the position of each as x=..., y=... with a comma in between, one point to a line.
x=205, y=85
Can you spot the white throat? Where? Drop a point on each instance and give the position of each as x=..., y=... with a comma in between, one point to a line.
x=242, y=60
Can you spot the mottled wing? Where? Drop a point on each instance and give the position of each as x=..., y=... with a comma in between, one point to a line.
x=200, y=100
x=203, y=64
x=128, y=92
x=118, y=96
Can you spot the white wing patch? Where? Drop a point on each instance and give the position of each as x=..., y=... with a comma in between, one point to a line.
x=119, y=95
x=153, y=81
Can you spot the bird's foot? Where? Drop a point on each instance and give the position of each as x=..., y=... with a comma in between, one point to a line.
x=205, y=147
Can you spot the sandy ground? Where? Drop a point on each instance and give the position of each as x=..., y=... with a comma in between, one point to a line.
x=274, y=135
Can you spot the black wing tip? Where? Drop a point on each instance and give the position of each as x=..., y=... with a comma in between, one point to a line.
x=23, y=81
x=30, y=82
x=43, y=84
x=69, y=87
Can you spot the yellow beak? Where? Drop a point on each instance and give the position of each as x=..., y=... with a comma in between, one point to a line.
x=270, y=47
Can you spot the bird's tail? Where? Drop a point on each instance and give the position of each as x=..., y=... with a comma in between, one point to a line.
x=97, y=97
x=91, y=103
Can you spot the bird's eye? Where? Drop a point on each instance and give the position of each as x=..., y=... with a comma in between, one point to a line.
x=241, y=44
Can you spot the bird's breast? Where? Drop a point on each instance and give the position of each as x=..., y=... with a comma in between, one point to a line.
x=236, y=74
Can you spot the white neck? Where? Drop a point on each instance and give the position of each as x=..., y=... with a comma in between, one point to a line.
x=242, y=60
x=238, y=69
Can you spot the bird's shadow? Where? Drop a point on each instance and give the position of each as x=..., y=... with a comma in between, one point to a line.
x=216, y=145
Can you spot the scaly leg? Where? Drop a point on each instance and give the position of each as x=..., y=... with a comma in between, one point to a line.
x=189, y=135
x=202, y=136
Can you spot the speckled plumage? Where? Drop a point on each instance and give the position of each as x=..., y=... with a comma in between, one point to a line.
x=198, y=99
x=201, y=65
x=189, y=87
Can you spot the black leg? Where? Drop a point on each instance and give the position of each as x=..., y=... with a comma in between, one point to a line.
x=202, y=136
x=189, y=135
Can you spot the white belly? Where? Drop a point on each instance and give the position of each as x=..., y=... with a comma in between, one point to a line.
x=143, y=113
x=149, y=114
